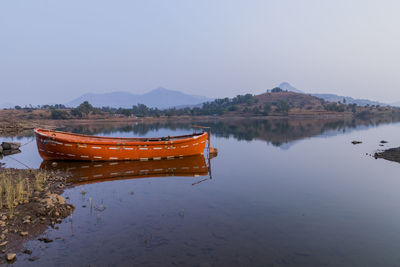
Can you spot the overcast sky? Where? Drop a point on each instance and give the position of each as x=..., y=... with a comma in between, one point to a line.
x=53, y=51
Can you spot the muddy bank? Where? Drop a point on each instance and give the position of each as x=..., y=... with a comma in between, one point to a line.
x=30, y=202
x=392, y=154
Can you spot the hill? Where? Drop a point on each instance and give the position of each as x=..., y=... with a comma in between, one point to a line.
x=158, y=98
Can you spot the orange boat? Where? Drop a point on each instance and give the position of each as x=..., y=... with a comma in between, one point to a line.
x=55, y=145
x=83, y=172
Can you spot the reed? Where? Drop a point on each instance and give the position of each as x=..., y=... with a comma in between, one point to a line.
x=18, y=187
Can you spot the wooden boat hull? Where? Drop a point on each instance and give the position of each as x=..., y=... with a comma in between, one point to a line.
x=82, y=172
x=55, y=145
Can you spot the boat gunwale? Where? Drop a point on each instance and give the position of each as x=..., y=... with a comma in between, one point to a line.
x=124, y=141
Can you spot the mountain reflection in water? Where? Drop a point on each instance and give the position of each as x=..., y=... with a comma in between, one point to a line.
x=278, y=132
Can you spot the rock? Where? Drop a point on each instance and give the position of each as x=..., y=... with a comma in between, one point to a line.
x=24, y=233
x=27, y=251
x=33, y=258
x=57, y=214
x=11, y=256
x=356, y=142
x=1, y=149
x=26, y=221
x=384, y=142
x=11, y=152
x=2, y=244
x=4, y=217
x=2, y=223
x=392, y=154
x=10, y=145
x=45, y=239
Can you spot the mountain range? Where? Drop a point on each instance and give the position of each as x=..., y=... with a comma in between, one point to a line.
x=161, y=98
x=336, y=98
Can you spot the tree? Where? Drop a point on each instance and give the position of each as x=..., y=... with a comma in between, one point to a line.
x=85, y=107
x=276, y=90
x=283, y=106
x=267, y=109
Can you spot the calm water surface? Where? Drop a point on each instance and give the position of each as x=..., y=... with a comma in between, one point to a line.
x=280, y=195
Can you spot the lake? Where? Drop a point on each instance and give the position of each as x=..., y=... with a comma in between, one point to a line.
x=281, y=193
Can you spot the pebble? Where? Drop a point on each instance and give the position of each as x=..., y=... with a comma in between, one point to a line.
x=3, y=243
x=27, y=251
x=24, y=233
x=11, y=256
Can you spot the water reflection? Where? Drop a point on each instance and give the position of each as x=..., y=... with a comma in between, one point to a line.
x=82, y=172
x=277, y=132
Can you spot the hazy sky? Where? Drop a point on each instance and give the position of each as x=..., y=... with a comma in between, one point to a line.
x=53, y=51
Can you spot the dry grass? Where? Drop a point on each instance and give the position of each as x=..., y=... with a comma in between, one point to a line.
x=16, y=189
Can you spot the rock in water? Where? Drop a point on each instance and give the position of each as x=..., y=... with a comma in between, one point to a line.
x=392, y=154
x=10, y=145
x=356, y=142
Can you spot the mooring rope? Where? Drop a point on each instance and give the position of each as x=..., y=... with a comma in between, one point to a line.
x=19, y=162
x=33, y=139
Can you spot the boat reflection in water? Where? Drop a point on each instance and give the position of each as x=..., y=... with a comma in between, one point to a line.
x=84, y=172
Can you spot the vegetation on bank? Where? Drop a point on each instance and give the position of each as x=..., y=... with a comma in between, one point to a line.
x=17, y=189
x=274, y=102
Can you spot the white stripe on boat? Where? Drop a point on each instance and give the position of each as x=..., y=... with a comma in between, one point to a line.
x=84, y=156
x=96, y=147
x=143, y=159
x=143, y=148
x=157, y=148
x=113, y=158
x=67, y=145
x=184, y=146
x=157, y=158
x=97, y=157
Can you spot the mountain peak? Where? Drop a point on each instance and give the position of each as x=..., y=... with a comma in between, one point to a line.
x=287, y=86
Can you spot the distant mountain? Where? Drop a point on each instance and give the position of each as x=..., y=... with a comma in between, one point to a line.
x=336, y=98
x=7, y=105
x=395, y=104
x=349, y=100
x=160, y=98
x=288, y=87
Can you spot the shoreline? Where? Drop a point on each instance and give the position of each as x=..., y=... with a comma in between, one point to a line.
x=18, y=126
